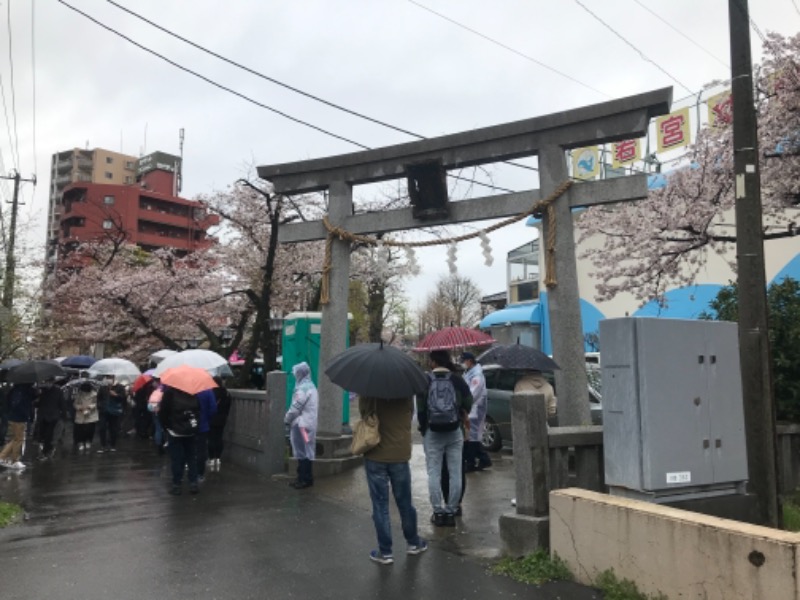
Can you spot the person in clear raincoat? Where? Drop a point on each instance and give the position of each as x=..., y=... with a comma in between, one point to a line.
x=302, y=421
x=475, y=456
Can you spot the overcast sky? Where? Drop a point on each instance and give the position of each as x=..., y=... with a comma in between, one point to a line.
x=393, y=60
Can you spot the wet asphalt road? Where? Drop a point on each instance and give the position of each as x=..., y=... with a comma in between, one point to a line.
x=104, y=527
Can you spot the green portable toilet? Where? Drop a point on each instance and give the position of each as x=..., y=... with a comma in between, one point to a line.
x=301, y=343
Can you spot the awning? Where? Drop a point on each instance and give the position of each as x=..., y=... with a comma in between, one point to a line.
x=516, y=313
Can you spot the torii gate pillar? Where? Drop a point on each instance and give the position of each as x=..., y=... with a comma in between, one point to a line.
x=333, y=334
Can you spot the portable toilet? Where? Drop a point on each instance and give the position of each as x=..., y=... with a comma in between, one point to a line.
x=301, y=343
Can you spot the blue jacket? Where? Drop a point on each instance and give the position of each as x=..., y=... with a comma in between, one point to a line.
x=208, y=408
x=20, y=402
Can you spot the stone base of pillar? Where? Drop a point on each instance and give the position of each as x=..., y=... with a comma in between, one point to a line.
x=523, y=534
x=333, y=456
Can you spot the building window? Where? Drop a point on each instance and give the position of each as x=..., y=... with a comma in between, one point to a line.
x=129, y=165
x=128, y=179
x=108, y=224
x=109, y=160
x=109, y=175
x=108, y=200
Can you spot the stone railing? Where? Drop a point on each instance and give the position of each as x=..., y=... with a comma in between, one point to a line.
x=254, y=434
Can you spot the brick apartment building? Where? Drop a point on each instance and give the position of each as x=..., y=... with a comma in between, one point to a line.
x=146, y=208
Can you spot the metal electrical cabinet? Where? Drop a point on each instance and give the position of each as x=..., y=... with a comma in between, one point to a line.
x=673, y=419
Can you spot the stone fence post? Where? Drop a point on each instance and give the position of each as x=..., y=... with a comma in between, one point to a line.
x=527, y=529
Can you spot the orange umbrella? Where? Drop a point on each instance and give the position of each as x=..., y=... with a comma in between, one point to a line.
x=191, y=380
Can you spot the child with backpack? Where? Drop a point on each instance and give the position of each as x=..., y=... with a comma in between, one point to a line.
x=440, y=415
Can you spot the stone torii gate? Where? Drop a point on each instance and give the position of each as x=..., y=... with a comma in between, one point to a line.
x=548, y=137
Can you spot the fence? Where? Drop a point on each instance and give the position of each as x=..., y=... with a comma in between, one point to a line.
x=254, y=435
x=576, y=458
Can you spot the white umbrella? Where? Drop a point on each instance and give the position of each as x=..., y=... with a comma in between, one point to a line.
x=157, y=357
x=212, y=362
x=119, y=368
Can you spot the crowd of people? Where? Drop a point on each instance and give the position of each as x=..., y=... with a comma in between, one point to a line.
x=92, y=414
x=450, y=416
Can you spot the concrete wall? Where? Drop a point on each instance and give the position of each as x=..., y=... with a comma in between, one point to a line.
x=678, y=553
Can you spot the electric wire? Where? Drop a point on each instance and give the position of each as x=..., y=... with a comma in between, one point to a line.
x=33, y=78
x=211, y=81
x=245, y=97
x=282, y=84
x=13, y=93
x=679, y=32
x=5, y=113
x=509, y=48
x=631, y=45
x=794, y=3
x=262, y=75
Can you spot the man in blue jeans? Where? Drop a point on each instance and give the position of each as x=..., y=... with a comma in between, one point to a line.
x=441, y=415
x=387, y=466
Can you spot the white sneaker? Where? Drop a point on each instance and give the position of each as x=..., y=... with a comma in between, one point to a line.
x=17, y=466
x=216, y=464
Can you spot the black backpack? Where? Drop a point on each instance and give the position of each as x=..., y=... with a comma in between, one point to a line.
x=443, y=406
x=184, y=413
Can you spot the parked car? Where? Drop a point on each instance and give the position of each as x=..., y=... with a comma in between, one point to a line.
x=500, y=384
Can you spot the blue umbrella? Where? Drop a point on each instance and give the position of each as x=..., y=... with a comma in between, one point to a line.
x=79, y=361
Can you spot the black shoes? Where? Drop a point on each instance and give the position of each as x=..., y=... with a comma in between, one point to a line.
x=443, y=519
x=300, y=485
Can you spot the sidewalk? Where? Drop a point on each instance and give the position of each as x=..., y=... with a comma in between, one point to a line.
x=104, y=526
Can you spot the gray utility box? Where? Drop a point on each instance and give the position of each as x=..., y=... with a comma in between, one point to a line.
x=673, y=419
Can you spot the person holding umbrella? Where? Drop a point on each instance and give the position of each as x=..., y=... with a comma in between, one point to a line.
x=20, y=402
x=440, y=416
x=386, y=380
x=51, y=408
x=302, y=421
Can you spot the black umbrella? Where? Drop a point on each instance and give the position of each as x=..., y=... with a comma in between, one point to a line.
x=35, y=371
x=377, y=371
x=79, y=361
x=517, y=356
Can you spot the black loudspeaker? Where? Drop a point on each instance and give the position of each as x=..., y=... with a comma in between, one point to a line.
x=427, y=189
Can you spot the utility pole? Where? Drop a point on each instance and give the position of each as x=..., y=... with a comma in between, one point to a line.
x=754, y=351
x=8, y=283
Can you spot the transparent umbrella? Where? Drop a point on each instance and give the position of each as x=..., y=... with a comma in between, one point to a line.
x=212, y=362
x=119, y=368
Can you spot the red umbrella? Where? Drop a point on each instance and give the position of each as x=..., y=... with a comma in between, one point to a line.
x=141, y=380
x=191, y=380
x=451, y=338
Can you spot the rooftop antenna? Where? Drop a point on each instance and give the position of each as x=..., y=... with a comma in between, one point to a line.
x=144, y=148
x=179, y=173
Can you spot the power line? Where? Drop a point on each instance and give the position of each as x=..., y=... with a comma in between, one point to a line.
x=243, y=96
x=794, y=3
x=282, y=84
x=678, y=31
x=265, y=77
x=509, y=48
x=8, y=124
x=639, y=52
x=13, y=94
x=211, y=81
x=33, y=76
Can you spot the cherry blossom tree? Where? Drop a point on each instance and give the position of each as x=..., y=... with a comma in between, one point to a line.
x=275, y=278
x=662, y=241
